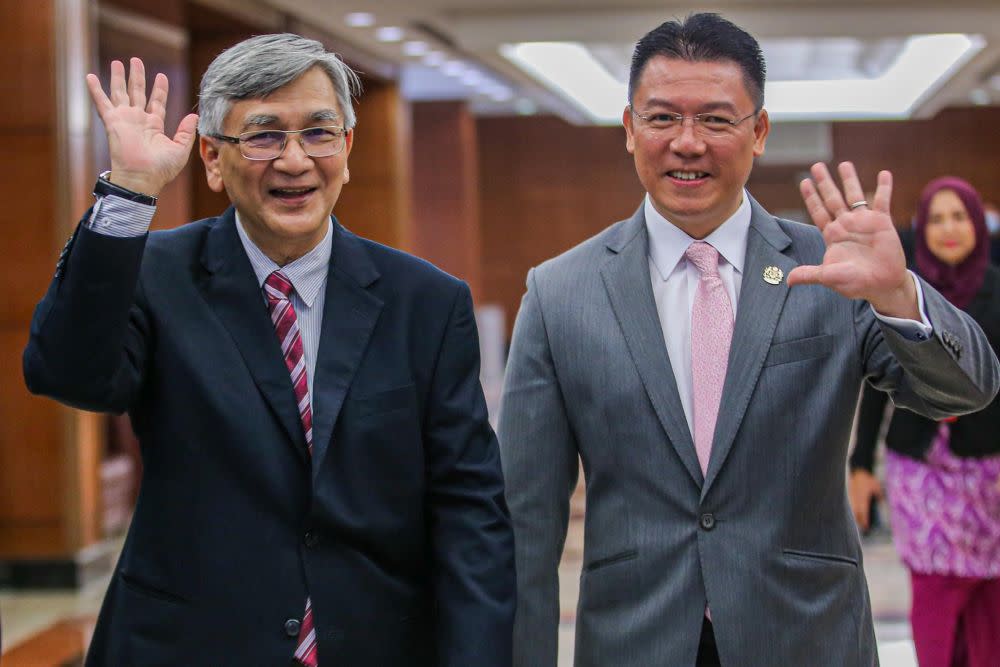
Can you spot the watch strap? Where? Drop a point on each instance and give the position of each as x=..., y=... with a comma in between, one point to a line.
x=104, y=187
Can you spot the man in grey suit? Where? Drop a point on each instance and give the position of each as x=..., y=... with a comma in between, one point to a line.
x=703, y=358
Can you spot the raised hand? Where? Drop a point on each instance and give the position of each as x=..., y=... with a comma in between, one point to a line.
x=143, y=158
x=864, y=257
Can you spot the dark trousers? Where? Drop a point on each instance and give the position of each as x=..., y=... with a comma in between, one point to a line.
x=708, y=655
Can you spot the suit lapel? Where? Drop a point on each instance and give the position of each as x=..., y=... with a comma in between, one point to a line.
x=230, y=288
x=349, y=316
x=626, y=278
x=757, y=316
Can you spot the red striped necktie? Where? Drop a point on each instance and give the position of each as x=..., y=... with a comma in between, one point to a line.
x=277, y=289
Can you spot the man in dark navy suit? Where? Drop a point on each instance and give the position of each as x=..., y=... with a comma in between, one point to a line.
x=320, y=483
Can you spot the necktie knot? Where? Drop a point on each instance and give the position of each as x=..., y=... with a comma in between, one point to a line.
x=278, y=286
x=704, y=257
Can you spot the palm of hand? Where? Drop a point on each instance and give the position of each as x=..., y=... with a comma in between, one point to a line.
x=863, y=253
x=137, y=143
x=143, y=157
x=864, y=256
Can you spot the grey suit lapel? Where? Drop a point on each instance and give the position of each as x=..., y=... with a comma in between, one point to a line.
x=757, y=316
x=626, y=278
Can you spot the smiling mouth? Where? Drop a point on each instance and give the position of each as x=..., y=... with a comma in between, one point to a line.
x=687, y=175
x=291, y=193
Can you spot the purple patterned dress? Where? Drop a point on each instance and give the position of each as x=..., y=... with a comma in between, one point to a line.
x=945, y=511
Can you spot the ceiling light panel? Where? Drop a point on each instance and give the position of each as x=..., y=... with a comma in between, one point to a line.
x=809, y=79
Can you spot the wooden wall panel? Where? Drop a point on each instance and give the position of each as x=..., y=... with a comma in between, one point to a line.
x=376, y=203
x=446, y=185
x=31, y=503
x=958, y=142
x=26, y=235
x=28, y=66
x=545, y=186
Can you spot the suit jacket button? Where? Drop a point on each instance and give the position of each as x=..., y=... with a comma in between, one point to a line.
x=311, y=539
x=292, y=627
x=707, y=521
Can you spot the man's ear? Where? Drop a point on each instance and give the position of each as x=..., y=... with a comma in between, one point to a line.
x=209, y=149
x=629, y=129
x=760, y=131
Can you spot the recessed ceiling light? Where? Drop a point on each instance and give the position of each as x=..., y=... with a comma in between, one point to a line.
x=360, y=19
x=453, y=68
x=500, y=93
x=980, y=97
x=415, y=48
x=472, y=78
x=389, y=33
x=525, y=107
x=434, y=59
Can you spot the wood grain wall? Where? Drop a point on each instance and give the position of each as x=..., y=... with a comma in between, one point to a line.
x=445, y=171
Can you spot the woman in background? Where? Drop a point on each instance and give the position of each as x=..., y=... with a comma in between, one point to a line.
x=943, y=479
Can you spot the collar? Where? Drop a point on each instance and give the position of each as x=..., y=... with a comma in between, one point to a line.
x=668, y=243
x=307, y=273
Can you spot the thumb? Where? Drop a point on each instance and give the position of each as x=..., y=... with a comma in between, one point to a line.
x=186, y=131
x=806, y=275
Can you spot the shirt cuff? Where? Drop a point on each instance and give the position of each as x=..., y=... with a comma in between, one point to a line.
x=910, y=329
x=120, y=217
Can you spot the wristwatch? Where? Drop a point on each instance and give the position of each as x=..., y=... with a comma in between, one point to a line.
x=104, y=187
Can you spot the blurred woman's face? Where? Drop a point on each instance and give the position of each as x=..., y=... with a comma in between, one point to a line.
x=950, y=233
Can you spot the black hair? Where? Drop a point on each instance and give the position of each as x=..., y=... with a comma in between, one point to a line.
x=703, y=37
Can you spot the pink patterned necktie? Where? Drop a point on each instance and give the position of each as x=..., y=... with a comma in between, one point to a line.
x=277, y=289
x=711, y=335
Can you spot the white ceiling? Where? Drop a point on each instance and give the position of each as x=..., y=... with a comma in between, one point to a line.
x=473, y=31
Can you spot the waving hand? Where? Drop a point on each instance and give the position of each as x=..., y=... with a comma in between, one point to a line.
x=864, y=256
x=143, y=157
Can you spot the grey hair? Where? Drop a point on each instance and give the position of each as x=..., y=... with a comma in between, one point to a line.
x=260, y=65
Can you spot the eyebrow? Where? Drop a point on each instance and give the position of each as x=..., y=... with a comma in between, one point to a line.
x=657, y=102
x=257, y=120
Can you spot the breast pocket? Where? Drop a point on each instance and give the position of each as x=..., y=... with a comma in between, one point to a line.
x=801, y=349
x=383, y=402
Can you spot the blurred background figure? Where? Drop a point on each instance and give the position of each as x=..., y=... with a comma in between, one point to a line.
x=943, y=479
x=992, y=215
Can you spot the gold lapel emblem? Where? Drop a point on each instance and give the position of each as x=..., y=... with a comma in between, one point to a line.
x=773, y=275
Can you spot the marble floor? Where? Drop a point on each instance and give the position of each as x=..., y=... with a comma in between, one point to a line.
x=48, y=622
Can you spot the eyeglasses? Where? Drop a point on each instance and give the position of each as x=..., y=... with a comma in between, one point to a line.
x=269, y=144
x=705, y=124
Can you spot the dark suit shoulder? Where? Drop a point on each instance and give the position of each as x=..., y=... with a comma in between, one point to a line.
x=183, y=240
x=401, y=273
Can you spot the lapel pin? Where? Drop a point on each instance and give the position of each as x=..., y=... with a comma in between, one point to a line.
x=773, y=275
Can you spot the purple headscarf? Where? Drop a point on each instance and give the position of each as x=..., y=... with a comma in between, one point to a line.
x=958, y=283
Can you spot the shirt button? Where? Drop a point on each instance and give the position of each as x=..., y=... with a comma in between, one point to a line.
x=292, y=627
x=311, y=539
x=707, y=521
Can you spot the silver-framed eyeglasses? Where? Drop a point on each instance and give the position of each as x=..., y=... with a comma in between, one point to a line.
x=269, y=144
x=704, y=124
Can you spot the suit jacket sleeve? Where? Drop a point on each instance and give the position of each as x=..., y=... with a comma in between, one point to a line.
x=952, y=373
x=470, y=526
x=87, y=346
x=541, y=467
